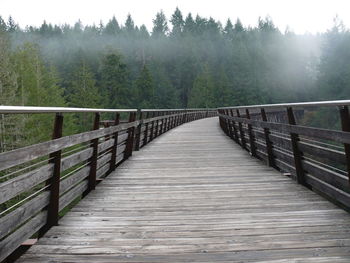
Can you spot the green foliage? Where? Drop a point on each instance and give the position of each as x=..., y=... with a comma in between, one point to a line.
x=160, y=25
x=145, y=87
x=37, y=85
x=334, y=68
x=202, y=93
x=177, y=23
x=115, y=82
x=84, y=94
x=112, y=27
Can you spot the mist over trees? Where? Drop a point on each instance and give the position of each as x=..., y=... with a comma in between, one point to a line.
x=183, y=61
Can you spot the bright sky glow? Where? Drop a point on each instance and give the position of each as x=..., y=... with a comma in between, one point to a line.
x=300, y=15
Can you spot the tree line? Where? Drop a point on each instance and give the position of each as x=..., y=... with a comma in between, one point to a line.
x=184, y=61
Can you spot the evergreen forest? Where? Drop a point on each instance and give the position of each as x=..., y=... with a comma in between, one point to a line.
x=183, y=61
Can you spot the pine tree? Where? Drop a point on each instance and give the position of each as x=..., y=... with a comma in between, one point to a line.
x=9, y=134
x=189, y=26
x=177, y=23
x=143, y=32
x=129, y=26
x=84, y=94
x=145, y=89
x=334, y=69
x=228, y=30
x=112, y=27
x=115, y=82
x=202, y=93
x=12, y=26
x=160, y=25
x=238, y=26
x=3, y=26
x=37, y=86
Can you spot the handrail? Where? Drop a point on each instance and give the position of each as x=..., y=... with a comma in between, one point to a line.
x=32, y=109
x=186, y=109
x=294, y=105
x=305, y=152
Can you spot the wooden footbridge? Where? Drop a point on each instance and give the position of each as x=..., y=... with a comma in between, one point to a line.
x=181, y=186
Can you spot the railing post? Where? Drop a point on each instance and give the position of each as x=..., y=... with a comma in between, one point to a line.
x=54, y=181
x=221, y=119
x=157, y=128
x=234, y=129
x=138, y=132
x=152, y=129
x=93, y=159
x=161, y=124
x=345, y=123
x=115, y=145
x=145, y=138
x=170, y=120
x=173, y=120
x=130, y=140
x=165, y=121
x=251, y=136
x=269, y=151
x=231, y=125
x=296, y=152
x=240, y=127
x=228, y=123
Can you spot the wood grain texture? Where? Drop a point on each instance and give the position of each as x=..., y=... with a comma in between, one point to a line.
x=193, y=195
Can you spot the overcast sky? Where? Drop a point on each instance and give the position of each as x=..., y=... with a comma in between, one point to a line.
x=300, y=15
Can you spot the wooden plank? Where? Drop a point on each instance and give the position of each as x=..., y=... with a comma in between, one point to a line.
x=72, y=180
x=25, y=182
x=75, y=192
x=328, y=190
x=109, y=143
x=323, y=152
x=10, y=243
x=12, y=220
x=103, y=160
x=331, y=177
x=76, y=158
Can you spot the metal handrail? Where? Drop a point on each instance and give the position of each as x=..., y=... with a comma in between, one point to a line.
x=188, y=109
x=32, y=109
x=294, y=105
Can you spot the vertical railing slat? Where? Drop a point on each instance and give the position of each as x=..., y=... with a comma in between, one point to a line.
x=251, y=136
x=296, y=152
x=54, y=181
x=115, y=145
x=345, y=123
x=269, y=150
x=93, y=159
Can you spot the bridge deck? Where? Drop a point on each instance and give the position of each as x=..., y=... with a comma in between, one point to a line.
x=194, y=196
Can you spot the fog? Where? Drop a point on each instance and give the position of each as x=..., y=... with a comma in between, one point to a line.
x=193, y=61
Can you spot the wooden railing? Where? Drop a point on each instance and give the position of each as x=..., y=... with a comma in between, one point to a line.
x=39, y=182
x=281, y=135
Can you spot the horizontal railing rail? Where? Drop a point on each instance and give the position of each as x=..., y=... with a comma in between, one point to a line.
x=286, y=137
x=31, y=110
x=39, y=182
x=295, y=105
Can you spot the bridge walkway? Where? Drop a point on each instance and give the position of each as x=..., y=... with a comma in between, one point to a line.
x=193, y=195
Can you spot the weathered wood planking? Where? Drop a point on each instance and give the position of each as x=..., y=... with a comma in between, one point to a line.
x=193, y=195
